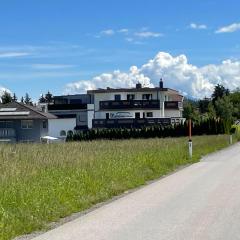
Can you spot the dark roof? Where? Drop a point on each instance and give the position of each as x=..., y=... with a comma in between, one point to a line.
x=22, y=111
x=143, y=89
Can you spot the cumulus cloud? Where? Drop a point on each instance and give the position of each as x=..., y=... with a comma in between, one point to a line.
x=229, y=29
x=176, y=71
x=197, y=26
x=115, y=79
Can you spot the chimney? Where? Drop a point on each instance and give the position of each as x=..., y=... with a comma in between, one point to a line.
x=161, y=83
x=138, y=85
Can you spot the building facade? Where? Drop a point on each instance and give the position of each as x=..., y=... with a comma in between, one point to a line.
x=132, y=107
x=22, y=123
x=78, y=106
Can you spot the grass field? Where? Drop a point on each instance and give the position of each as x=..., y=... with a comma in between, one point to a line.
x=42, y=183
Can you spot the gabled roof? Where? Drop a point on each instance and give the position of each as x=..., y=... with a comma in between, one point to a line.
x=16, y=110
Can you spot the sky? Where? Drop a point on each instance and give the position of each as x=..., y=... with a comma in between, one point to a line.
x=69, y=46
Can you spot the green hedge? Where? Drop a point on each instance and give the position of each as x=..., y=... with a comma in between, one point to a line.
x=208, y=127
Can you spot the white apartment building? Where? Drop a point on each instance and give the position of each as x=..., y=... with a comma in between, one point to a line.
x=137, y=103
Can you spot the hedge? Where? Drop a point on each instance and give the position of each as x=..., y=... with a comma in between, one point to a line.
x=207, y=127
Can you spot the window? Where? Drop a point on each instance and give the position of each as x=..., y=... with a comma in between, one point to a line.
x=147, y=96
x=117, y=97
x=6, y=124
x=130, y=97
x=107, y=115
x=137, y=115
x=44, y=124
x=149, y=114
x=82, y=117
x=63, y=133
x=27, y=124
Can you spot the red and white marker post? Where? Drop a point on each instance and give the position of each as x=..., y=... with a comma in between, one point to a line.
x=190, y=138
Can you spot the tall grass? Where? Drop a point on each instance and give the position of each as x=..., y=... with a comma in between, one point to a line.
x=42, y=183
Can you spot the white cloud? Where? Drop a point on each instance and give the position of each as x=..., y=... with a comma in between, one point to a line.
x=51, y=66
x=108, y=32
x=13, y=54
x=148, y=34
x=123, y=30
x=229, y=29
x=3, y=89
x=115, y=79
x=197, y=26
x=176, y=71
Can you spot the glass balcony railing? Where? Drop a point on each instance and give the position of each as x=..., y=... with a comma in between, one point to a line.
x=138, y=104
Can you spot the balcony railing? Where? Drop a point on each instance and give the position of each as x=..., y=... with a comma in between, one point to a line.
x=138, y=104
x=7, y=133
x=130, y=122
x=130, y=104
x=66, y=107
x=173, y=105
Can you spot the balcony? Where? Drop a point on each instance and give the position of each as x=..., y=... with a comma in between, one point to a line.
x=173, y=105
x=129, y=104
x=138, y=104
x=130, y=122
x=66, y=107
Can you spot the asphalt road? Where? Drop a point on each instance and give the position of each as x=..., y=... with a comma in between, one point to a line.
x=198, y=202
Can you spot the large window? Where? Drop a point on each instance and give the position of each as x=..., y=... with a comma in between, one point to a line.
x=117, y=97
x=27, y=124
x=130, y=97
x=147, y=96
x=149, y=114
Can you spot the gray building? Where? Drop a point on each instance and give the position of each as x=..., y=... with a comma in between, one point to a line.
x=77, y=106
x=22, y=123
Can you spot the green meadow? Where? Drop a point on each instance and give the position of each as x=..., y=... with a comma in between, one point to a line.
x=41, y=183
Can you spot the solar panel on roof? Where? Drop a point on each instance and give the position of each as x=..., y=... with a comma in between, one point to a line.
x=14, y=113
x=8, y=109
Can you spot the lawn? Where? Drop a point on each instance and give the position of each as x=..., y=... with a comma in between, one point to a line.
x=42, y=183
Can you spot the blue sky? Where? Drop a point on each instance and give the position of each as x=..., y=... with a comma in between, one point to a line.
x=45, y=45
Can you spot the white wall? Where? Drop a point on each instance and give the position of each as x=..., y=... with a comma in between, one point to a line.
x=55, y=126
x=90, y=115
x=102, y=114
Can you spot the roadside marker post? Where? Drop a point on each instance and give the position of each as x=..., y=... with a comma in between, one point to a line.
x=190, y=138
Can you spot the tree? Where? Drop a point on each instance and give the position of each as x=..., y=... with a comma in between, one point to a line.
x=211, y=111
x=203, y=105
x=14, y=98
x=235, y=99
x=48, y=97
x=6, y=97
x=224, y=111
x=42, y=99
x=191, y=112
x=219, y=92
x=22, y=99
x=28, y=100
